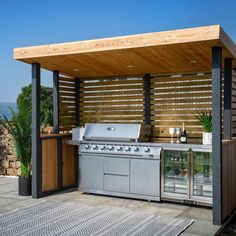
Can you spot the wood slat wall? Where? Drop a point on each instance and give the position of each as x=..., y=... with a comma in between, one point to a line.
x=234, y=104
x=228, y=178
x=67, y=104
x=176, y=99
x=112, y=100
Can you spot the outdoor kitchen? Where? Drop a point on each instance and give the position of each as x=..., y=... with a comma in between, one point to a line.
x=115, y=160
x=148, y=117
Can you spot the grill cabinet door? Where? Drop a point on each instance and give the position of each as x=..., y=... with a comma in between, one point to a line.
x=145, y=177
x=91, y=172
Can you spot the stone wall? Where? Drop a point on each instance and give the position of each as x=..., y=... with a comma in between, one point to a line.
x=8, y=163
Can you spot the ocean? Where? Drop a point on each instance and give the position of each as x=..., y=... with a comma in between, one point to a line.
x=4, y=108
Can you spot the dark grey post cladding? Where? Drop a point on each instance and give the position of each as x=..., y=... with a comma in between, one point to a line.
x=56, y=101
x=217, y=133
x=228, y=99
x=147, y=99
x=36, y=147
x=77, y=97
x=77, y=123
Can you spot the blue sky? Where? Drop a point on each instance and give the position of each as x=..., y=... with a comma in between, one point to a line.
x=31, y=22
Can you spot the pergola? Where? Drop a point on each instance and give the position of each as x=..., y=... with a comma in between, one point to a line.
x=160, y=79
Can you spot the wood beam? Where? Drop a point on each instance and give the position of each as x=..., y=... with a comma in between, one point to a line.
x=217, y=133
x=206, y=33
x=36, y=147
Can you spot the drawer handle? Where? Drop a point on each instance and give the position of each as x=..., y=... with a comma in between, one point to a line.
x=116, y=174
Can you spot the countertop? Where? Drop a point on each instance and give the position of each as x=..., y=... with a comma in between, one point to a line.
x=163, y=145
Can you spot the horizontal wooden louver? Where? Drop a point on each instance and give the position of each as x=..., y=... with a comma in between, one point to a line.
x=112, y=100
x=174, y=99
x=67, y=104
x=177, y=99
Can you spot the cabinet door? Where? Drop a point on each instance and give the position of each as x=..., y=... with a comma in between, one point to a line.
x=202, y=174
x=145, y=177
x=91, y=172
x=176, y=172
x=69, y=167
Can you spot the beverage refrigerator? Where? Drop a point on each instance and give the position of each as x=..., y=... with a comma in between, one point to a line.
x=187, y=175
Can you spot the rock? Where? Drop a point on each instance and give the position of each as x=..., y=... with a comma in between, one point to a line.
x=2, y=171
x=15, y=164
x=11, y=171
x=18, y=172
x=11, y=157
x=5, y=164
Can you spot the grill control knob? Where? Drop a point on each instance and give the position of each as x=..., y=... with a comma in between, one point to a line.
x=87, y=147
x=95, y=147
x=147, y=149
x=119, y=149
x=127, y=149
x=111, y=148
x=103, y=148
x=136, y=149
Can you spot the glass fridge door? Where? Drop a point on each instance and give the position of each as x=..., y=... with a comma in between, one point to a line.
x=176, y=172
x=202, y=174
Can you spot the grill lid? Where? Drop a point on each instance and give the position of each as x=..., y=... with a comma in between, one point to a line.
x=112, y=132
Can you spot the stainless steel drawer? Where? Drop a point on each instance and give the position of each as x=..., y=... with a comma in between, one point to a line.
x=116, y=183
x=116, y=166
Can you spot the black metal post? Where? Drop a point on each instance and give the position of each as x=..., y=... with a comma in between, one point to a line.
x=217, y=133
x=36, y=147
x=228, y=99
x=147, y=99
x=77, y=97
x=56, y=101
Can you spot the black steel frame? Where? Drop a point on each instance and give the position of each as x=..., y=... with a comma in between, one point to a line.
x=36, y=145
x=147, y=99
x=56, y=101
x=228, y=98
x=217, y=133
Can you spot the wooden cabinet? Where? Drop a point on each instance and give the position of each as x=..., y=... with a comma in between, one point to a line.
x=59, y=163
x=68, y=165
x=49, y=165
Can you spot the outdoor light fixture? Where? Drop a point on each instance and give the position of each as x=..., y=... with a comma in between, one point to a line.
x=130, y=66
x=193, y=61
x=76, y=69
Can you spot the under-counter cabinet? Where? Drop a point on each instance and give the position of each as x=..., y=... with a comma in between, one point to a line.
x=187, y=176
x=90, y=172
x=127, y=177
x=145, y=177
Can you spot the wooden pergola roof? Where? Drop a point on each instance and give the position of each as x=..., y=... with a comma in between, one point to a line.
x=162, y=52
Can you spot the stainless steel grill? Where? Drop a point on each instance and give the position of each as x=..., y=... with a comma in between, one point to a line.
x=113, y=161
x=118, y=139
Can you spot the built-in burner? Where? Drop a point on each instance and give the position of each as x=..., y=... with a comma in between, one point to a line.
x=118, y=139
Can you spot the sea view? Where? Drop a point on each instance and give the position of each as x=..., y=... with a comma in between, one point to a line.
x=4, y=108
